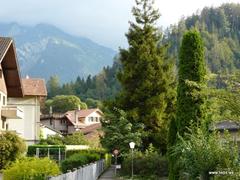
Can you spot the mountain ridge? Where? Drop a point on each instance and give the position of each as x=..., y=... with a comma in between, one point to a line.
x=44, y=49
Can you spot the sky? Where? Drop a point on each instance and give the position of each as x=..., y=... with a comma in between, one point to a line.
x=103, y=21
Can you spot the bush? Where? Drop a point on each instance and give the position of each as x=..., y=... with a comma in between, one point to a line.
x=149, y=163
x=31, y=168
x=77, y=160
x=108, y=159
x=11, y=148
x=77, y=138
x=43, y=150
x=203, y=152
x=52, y=140
x=101, y=152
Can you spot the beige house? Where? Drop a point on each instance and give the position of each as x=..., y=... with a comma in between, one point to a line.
x=57, y=121
x=20, y=99
x=10, y=83
x=86, y=120
x=29, y=126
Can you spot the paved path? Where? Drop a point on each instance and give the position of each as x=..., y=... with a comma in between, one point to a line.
x=108, y=174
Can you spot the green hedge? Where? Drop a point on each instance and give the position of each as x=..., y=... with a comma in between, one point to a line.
x=31, y=168
x=43, y=149
x=146, y=164
x=76, y=160
x=101, y=152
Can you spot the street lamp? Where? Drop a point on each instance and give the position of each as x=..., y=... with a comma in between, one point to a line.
x=132, y=145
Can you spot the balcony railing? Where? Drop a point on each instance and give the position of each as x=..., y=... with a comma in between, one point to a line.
x=12, y=112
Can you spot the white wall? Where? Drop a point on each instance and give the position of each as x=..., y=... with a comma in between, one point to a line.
x=29, y=126
x=45, y=132
x=93, y=115
x=2, y=95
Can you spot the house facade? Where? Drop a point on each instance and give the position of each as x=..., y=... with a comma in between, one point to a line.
x=10, y=83
x=29, y=126
x=86, y=121
x=57, y=121
x=20, y=99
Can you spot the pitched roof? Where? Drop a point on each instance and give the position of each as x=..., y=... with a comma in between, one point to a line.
x=81, y=114
x=85, y=112
x=10, y=68
x=91, y=128
x=55, y=130
x=34, y=87
x=5, y=42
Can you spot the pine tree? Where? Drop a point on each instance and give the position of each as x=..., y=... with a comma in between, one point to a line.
x=146, y=76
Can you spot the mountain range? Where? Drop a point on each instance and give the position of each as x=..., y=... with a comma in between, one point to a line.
x=44, y=50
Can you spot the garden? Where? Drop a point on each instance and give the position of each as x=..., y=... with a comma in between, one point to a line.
x=19, y=162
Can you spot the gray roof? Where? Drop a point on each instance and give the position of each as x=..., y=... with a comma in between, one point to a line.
x=226, y=125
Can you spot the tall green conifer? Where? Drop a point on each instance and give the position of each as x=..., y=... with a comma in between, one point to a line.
x=191, y=78
x=147, y=94
x=190, y=102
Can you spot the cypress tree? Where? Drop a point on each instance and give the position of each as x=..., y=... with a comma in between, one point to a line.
x=191, y=78
x=146, y=76
x=190, y=102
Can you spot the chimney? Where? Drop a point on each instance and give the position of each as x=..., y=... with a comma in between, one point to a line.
x=79, y=108
x=76, y=116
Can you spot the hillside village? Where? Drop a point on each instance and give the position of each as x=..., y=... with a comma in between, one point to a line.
x=167, y=108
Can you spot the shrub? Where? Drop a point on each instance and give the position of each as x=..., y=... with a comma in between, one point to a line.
x=149, y=163
x=203, y=152
x=11, y=147
x=31, y=168
x=101, y=152
x=108, y=159
x=77, y=138
x=52, y=140
x=77, y=160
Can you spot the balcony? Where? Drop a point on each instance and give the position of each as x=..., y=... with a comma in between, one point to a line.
x=12, y=112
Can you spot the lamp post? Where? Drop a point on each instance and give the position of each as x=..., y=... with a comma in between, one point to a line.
x=132, y=145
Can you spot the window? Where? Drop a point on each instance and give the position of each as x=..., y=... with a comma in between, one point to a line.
x=4, y=100
x=7, y=126
x=3, y=122
x=96, y=119
x=90, y=119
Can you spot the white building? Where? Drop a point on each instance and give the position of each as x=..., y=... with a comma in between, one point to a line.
x=29, y=126
x=10, y=83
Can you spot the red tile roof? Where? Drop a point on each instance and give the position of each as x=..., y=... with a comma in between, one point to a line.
x=91, y=128
x=34, y=87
